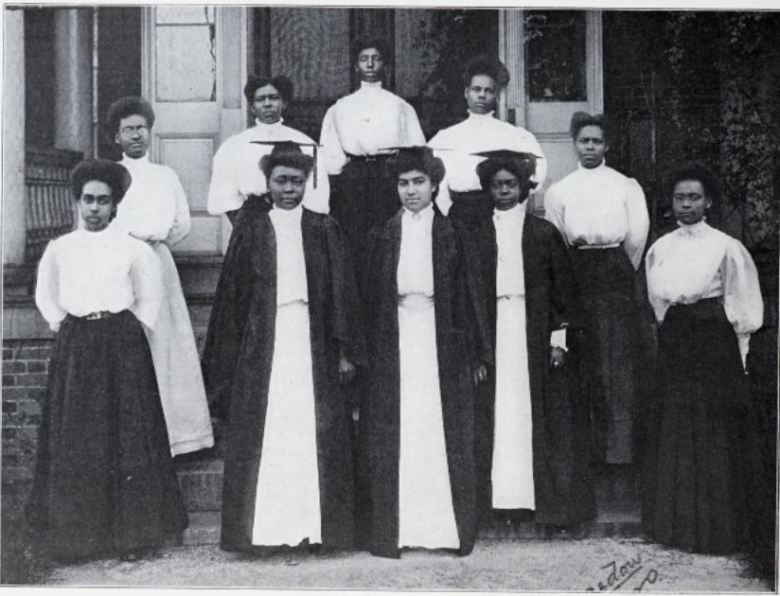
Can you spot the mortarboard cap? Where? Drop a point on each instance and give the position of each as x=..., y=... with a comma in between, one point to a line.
x=291, y=152
x=523, y=164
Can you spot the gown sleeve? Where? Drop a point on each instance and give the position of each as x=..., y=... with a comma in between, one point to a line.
x=347, y=323
x=741, y=294
x=638, y=223
x=228, y=319
x=47, y=289
x=146, y=277
x=479, y=329
x=181, y=220
x=563, y=294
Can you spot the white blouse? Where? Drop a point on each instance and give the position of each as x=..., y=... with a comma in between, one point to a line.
x=366, y=122
x=84, y=272
x=479, y=132
x=291, y=284
x=415, y=260
x=236, y=172
x=600, y=207
x=155, y=207
x=697, y=262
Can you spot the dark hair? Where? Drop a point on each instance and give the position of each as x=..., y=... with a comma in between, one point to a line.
x=115, y=175
x=582, y=119
x=124, y=107
x=283, y=85
x=482, y=65
x=363, y=42
x=286, y=154
x=696, y=170
x=522, y=169
x=416, y=158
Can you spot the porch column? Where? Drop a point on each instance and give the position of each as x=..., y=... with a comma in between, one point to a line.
x=14, y=191
x=73, y=67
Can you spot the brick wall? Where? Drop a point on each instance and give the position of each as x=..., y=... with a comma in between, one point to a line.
x=25, y=368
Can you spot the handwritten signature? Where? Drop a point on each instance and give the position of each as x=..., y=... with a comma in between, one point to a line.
x=619, y=575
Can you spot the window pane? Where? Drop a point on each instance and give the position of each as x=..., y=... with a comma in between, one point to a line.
x=556, y=55
x=186, y=63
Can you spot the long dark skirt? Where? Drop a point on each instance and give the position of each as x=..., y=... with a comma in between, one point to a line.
x=606, y=282
x=702, y=463
x=104, y=480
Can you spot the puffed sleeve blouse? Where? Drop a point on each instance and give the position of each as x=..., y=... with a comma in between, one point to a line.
x=85, y=272
x=697, y=262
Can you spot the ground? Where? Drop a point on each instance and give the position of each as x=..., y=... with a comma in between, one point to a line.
x=559, y=565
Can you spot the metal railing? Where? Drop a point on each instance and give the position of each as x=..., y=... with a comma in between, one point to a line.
x=49, y=211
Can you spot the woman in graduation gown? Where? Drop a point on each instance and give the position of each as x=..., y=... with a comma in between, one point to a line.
x=428, y=346
x=104, y=481
x=532, y=439
x=704, y=488
x=283, y=334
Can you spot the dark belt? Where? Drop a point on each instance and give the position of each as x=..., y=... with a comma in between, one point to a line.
x=375, y=157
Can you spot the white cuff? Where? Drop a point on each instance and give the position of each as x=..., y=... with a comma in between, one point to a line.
x=558, y=339
x=744, y=347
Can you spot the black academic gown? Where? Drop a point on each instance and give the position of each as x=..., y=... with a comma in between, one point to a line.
x=462, y=340
x=562, y=480
x=238, y=356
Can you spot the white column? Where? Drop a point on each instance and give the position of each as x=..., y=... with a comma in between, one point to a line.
x=73, y=68
x=14, y=191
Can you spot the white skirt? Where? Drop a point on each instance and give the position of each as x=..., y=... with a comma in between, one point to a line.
x=512, y=472
x=177, y=366
x=287, y=502
x=426, y=516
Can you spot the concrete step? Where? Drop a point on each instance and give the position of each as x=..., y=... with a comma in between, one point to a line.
x=200, y=478
x=204, y=528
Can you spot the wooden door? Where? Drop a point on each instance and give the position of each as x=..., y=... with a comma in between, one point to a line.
x=555, y=61
x=194, y=68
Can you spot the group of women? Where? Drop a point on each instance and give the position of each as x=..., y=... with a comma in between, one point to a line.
x=486, y=343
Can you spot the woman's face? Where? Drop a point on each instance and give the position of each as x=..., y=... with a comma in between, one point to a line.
x=689, y=201
x=415, y=190
x=481, y=94
x=96, y=205
x=369, y=65
x=591, y=146
x=506, y=190
x=286, y=186
x=133, y=136
x=268, y=104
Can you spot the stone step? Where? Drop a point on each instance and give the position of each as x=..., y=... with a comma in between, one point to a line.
x=204, y=528
x=200, y=478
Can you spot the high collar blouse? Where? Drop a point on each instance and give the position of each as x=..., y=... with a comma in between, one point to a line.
x=600, y=207
x=291, y=283
x=415, y=260
x=367, y=122
x=479, y=132
x=84, y=272
x=155, y=207
x=697, y=262
x=236, y=171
